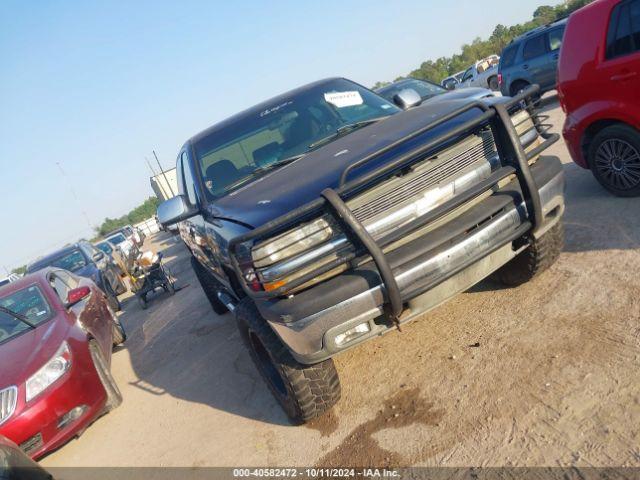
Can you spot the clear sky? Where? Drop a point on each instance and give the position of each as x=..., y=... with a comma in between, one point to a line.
x=88, y=89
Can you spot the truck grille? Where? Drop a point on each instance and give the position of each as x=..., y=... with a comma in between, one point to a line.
x=447, y=164
x=8, y=399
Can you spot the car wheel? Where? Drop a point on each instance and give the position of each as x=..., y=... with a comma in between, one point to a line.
x=142, y=301
x=535, y=259
x=493, y=84
x=119, y=335
x=112, y=299
x=209, y=285
x=114, y=397
x=614, y=159
x=305, y=392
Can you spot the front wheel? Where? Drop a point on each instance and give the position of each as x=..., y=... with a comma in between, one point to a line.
x=614, y=159
x=535, y=259
x=304, y=392
x=114, y=397
x=493, y=83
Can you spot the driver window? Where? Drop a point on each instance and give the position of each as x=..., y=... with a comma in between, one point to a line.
x=468, y=75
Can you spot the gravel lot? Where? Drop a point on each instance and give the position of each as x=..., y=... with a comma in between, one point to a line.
x=545, y=374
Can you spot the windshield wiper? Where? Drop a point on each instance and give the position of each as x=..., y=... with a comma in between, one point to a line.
x=22, y=318
x=343, y=130
x=279, y=163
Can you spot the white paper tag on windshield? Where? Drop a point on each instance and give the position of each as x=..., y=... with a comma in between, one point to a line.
x=343, y=99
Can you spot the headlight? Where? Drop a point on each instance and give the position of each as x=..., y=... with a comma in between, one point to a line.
x=50, y=372
x=291, y=243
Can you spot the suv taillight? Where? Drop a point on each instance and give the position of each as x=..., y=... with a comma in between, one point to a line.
x=500, y=79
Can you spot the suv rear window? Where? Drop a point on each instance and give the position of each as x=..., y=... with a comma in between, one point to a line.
x=623, y=36
x=508, y=57
x=534, y=48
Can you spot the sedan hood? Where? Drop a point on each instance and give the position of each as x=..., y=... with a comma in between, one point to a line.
x=462, y=93
x=302, y=181
x=25, y=354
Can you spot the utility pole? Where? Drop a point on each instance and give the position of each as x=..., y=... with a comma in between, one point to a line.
x=75, y=196
x=164, y=174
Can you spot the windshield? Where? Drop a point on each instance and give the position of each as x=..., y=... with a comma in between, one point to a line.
x=71, y=261
x=425, y=89
x=28, y=302
x=240, y=152
x=104, y=246
x=117, y=239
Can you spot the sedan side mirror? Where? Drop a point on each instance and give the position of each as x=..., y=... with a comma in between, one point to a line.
x=450, y=85
x=175, y=210
x=407, y=98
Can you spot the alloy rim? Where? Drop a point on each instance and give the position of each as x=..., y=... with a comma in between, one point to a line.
x=618, y=162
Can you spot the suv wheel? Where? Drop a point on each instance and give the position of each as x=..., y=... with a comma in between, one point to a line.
x=614, y=159
x=209, y=285
x=539, y=255
x=493, y=84
x=304, y=391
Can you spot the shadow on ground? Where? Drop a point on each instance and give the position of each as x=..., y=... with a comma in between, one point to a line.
x=180, y=347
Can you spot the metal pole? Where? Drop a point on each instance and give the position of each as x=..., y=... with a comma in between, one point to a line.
x=155, y=179
x=75, y=196
x=164, y=174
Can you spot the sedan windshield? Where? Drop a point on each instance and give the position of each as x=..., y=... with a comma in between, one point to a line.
x=28, y=304
x=264, y=139
x=425, y=89
x=72, y=261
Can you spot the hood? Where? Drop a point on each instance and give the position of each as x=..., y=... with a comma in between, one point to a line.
x=300, y=182
x=25, y=354
x=473, y=93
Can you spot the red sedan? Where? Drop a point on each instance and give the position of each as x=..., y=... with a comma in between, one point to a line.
x=56, y=336
x=599, y=89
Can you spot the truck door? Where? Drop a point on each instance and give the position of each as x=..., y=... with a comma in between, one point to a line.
x=193, y=230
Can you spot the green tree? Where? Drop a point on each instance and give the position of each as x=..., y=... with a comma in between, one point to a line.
x=137, y=215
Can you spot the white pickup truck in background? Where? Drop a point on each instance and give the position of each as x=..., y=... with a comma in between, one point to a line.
x=483, y=73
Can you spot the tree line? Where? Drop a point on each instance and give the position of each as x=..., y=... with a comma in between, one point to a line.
x=443, y=67
x=137, y=215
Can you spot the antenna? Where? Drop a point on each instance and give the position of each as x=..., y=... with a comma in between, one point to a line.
x=75, y=196
x=164, y=174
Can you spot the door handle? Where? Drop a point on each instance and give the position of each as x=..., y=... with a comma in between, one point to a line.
x=623, y=76
x=525, y=66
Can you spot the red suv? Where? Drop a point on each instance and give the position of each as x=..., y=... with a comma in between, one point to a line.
x=599, y=89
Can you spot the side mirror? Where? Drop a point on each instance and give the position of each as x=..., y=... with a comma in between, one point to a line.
x=98, y=256
x=175, y=210
x=450, y=85
x=407, y=98
x=76, y=295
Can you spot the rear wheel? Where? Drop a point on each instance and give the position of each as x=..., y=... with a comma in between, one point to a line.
x=210, y=286
x=493, y=83
x=112, y=299
x=538, y=256
x=114, y=397
x=305, y=392
x=614, y=159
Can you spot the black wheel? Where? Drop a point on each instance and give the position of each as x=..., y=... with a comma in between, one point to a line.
x=304, y=391
x=114, y=397
x=142, y=301
x=614, y=159
x=112, y=299
x=539, y=255
x=210, y=286
x=493, y=83
x=119, y=335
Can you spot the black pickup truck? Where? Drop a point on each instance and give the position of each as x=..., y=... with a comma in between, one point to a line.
x=327, y=216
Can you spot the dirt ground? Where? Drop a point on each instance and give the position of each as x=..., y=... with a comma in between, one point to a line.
x=541, y=375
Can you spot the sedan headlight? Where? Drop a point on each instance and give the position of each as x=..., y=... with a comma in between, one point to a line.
x=50, y=372
x=291, y=243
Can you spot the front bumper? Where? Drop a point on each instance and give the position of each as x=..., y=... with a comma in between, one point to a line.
x=428, y=270
x=36, y=426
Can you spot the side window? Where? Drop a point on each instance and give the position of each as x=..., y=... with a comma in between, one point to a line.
x=189, y=183
x=555, y=39
x=620, y=37
x=468, y=75
x=534, y=47
x=509, y=56
x=59, y=285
